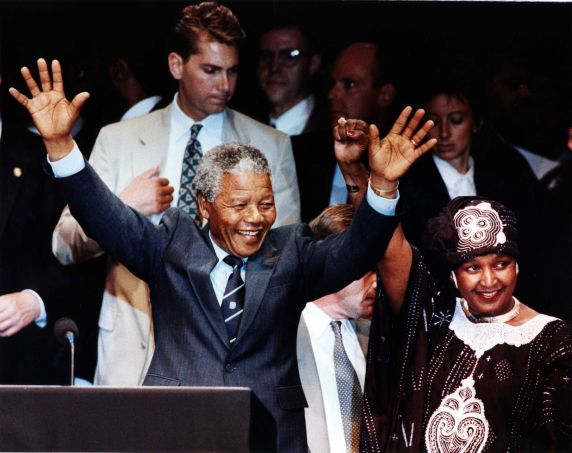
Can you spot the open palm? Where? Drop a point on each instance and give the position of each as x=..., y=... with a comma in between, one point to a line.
x=52, y=114
x=391, y=156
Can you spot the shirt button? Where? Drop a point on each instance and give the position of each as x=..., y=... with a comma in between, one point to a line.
x=229, y=367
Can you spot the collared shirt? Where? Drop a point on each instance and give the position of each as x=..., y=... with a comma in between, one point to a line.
x=322, y=340
x=141, y=108
x=458, y=184
x=540, y=165
x=293, y=121
x=180, y=131
x=220, y=273
x=339, y=192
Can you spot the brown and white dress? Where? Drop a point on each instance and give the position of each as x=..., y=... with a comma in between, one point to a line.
x=447, y=384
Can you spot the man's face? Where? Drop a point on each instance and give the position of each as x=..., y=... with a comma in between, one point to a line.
x=242, y=213
x=284, y=74
x=353, y=94
x=357, y=299
x=207, y=80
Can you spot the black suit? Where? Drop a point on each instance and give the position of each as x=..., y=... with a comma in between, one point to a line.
x=315, y=167
x=30, y=205
x=192, y=347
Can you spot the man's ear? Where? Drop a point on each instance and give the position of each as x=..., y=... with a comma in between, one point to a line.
x=204, y=207
x=176, y=63
x=315, y=63
x=386, y=95
x=119, y=71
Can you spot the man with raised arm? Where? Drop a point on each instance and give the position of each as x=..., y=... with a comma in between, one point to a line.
x=227, y=297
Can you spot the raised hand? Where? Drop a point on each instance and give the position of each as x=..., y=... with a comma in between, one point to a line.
x=52, y=114
x=148, y=193
x=390, y=157
x=351, y=140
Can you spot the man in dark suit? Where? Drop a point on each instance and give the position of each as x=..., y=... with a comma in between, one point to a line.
x=186, y=267
x=363, y=87
x=33, y=286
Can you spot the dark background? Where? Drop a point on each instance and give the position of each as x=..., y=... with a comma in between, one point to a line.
x=78, y=32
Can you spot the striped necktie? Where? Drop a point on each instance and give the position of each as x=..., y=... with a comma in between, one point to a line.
x=349, y=391
x=187, y=199
x=233, y=300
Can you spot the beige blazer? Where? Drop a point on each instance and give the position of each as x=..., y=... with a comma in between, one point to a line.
x=123, y=151
x=316, y=428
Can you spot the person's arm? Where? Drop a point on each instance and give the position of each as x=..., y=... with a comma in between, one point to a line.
x=389, y=159
x=124, y=233
x=147, y=193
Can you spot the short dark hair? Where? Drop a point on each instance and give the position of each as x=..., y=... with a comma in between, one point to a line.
x=458, y=77
x=334, y=219
x=206, y=19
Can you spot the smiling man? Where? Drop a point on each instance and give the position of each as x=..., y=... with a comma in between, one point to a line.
x=151, y=162
x=244, y=334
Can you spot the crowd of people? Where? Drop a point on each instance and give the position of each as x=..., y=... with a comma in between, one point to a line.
x=423, y=302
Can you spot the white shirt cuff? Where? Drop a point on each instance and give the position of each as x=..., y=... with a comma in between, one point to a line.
x=42, y=318
x=70, y=165
x=382, y=205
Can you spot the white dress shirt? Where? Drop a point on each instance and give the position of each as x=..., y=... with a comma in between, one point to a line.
x=209, y=136
x=458, y=184
x=322, y=339
x=141, y=108
x=222, y=271
x=293, y=121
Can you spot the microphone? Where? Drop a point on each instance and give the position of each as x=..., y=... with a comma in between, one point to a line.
x=66, y=331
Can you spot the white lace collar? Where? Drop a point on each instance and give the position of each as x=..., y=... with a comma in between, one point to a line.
x=481, y=337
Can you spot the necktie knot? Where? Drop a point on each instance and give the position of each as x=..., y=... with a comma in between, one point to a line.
x=337, y=328
x=233, y=261
x=195, y=129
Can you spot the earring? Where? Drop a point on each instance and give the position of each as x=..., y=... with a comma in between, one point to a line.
x=517, y=269
x=454, y=279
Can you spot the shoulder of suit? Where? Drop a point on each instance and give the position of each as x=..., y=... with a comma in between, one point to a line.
x=249, y=125
x=139, y=123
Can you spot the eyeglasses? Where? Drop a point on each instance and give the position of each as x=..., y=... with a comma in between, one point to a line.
x=285, y=57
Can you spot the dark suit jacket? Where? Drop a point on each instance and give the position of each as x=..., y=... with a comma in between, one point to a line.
x=315, y=166
x=192, y=348
x=30, y=205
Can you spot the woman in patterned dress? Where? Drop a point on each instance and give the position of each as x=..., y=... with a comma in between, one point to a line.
x=471, y=368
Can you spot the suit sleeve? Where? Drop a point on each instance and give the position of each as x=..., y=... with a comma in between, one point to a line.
x=70, y=244
x=285, y=185
x=123, y=233
x=331, y=264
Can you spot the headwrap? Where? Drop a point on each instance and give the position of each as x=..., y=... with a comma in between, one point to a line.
x=472, y=226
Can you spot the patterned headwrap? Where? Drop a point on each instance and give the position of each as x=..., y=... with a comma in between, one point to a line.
x=472, y=226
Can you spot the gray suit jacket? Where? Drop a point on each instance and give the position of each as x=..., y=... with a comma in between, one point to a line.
x=192, y=347
x=315, y=415
x=123, y=151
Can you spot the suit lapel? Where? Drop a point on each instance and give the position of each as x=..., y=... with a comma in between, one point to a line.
x=154, y=143
x=201, y=262
x=258, y=272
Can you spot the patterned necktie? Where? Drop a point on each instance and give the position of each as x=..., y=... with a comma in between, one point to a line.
x=349, y=391
x=187, y=200
x=233, y=300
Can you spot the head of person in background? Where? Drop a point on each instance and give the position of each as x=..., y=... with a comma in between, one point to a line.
x=363, y=85
x=287, y=62
x=203, y=58
x=452, y=99
x=356, y=300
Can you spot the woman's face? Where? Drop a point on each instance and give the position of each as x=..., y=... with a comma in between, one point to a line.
x=487, y=283
x=454, y=128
